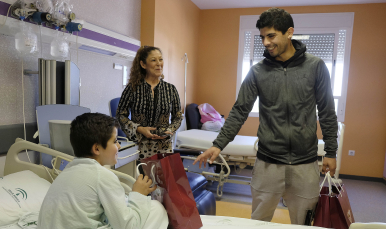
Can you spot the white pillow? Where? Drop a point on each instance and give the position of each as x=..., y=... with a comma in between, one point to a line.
x=21, y=193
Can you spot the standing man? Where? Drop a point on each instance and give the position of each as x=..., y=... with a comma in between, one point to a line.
x=290, y=84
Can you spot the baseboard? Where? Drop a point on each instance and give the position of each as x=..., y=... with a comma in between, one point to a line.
x=384, y=181
x=363, y=178
x=8, y=134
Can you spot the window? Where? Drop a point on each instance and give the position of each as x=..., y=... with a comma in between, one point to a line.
x=327, y=36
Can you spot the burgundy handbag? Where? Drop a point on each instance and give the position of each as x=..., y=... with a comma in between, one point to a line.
x=177, y=196
x=333, y=209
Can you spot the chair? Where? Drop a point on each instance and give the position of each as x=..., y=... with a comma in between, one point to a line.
x=54, y=112
x=113, y=106
x=193, y=117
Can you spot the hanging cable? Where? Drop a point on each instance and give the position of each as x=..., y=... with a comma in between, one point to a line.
x=22, y=84
x=185, y=58
x=6, y=16
x=48, y=172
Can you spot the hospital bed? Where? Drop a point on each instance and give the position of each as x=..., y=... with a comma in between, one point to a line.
x=27, y=195
x=14, y=165
x=239, y=153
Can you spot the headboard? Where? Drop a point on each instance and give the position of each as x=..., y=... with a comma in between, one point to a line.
x=13, y=164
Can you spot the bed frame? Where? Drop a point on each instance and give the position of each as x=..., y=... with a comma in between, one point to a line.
x=13, y=164
x=227, y=159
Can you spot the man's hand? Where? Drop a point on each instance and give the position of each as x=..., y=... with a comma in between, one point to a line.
x=142, y=185
x=211, y=153
x=329, y=164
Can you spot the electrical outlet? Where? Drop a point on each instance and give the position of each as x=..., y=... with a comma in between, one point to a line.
x=351, y=152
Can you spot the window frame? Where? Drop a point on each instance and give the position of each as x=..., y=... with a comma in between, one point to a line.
x=307, y=24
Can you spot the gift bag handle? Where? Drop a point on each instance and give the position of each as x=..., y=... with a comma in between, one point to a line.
x=329, y=179
x=151, y=176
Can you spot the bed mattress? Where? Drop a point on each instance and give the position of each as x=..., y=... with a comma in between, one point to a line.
x=202, y=139
x=240, y=146
x=226, y=222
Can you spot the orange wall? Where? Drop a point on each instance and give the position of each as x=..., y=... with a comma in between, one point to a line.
x=173, y=26
x=147, y=22
x=215, y=82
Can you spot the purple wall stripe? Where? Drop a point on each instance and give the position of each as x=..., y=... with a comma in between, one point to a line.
x=4, y=8
x=88, y=34
x=107, y=40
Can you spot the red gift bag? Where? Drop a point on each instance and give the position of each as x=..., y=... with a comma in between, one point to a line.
x=169, y=173
x=333, y=209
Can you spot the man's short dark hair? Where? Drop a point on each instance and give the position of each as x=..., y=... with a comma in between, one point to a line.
x=88, y=129
x=277, y=18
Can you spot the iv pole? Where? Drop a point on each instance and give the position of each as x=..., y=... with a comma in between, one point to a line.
x=182, y=127
x=185, y=57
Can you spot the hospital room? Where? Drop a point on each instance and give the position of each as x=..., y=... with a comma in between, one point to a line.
x=63, y=59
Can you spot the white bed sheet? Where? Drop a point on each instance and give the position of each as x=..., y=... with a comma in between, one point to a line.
x=27, y=221
x=240, y=146
x=208, y=221
x=226, y=222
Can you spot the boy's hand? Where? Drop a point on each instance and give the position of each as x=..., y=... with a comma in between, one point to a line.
x=142, y=185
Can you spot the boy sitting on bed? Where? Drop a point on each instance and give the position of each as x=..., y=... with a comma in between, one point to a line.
x=87, y=195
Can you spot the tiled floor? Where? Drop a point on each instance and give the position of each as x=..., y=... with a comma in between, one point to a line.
x=367, y=199
x=239, y=210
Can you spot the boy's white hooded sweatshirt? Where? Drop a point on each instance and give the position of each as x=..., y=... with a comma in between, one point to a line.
x=86, y=194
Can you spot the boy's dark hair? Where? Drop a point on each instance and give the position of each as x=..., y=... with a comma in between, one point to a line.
x=88, y=129
x=277, y=18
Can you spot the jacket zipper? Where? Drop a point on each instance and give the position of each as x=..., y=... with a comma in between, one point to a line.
x=288, y=117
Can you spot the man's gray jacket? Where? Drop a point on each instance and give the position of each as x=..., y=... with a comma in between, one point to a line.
x=288, y=97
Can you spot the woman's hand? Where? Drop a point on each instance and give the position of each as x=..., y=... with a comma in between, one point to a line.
x=142, y=185
x=167, y=134
x=145, y=131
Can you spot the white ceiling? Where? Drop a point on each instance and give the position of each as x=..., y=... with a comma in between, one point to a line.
x=223, y=4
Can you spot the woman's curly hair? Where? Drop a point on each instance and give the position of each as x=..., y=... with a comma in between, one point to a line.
x=137, y=73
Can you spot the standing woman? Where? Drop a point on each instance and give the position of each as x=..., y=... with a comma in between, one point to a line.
x=150, y=101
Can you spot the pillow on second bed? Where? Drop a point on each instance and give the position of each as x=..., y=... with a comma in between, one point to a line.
x=21, y=193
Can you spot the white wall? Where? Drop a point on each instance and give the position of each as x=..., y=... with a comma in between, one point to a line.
x=121, y=16
x=100, y=82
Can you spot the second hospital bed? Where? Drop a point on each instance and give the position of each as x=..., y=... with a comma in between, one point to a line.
x=239, y=153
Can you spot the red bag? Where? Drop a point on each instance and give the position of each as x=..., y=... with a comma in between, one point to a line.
x=178, y=199
x=333, y=209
